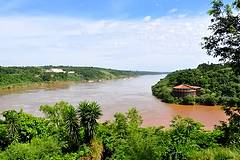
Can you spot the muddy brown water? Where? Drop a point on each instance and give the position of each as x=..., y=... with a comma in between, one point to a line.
x=114, y=96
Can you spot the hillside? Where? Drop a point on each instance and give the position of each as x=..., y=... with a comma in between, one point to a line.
x=11, y=77
x=218, y=82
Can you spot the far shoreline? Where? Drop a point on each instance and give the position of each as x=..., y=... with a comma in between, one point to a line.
x=15, y=88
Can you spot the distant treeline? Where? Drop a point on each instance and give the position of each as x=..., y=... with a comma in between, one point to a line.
x=14, y=76
x=218, y=82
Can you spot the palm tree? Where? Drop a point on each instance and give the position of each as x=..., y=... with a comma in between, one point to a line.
x=88, y=113
x=11, y=119
x=63, y=118
x=72, y=126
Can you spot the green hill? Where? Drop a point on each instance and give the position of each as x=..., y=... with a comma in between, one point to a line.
x=11, y=77
x=218, y=82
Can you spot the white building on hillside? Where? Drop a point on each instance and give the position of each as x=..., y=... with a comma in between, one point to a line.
x=55, y=70
x=71, y=72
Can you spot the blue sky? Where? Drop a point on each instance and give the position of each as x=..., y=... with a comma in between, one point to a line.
x=107, y=9
x=159, y=35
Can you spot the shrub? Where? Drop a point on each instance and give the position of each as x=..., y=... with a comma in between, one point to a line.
x=207, y=99
x=188, y=100
x=45, y=149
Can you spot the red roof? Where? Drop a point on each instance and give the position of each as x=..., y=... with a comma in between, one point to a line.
x=195, y=87
x=185, y=86
x=182, y=86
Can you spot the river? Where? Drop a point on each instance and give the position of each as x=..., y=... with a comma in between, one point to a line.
x=114, y=96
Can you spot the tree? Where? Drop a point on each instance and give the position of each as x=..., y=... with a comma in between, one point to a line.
x=188, y=100
x=72, y=126
x=224, y=43
x=64, y=121
x=134, y=118
x=225, y=37
x=89, y=113
x=11, y=119
x=183, y=137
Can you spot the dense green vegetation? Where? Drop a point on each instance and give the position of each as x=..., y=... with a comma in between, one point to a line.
x=219, y=85
x=69, y=132
x=223, y=42
x=15, y=76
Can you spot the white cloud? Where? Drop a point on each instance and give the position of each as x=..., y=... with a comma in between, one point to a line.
x=147, y=18
x=161, y=44
x=173, y=10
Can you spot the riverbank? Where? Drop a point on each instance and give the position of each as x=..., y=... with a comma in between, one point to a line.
x=29, y=86
x=49, y=85
x=21, y=78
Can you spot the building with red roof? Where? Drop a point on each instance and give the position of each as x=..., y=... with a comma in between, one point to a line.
x=184, y=90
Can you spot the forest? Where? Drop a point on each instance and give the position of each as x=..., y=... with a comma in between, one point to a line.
x=220, y=85
x=68, y=132
x=11, y=77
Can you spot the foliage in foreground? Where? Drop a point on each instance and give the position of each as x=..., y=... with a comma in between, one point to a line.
x=67, y=133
